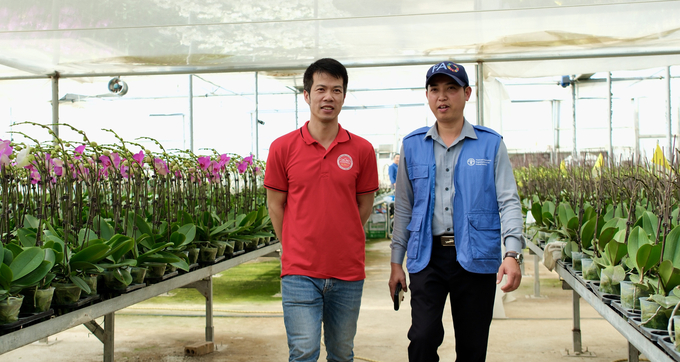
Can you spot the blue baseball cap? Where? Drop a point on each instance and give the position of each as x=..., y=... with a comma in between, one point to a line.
x=453, y=70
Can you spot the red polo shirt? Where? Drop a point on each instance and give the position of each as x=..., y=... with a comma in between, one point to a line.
x=322, y=232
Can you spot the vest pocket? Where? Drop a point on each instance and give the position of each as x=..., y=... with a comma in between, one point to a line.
x=416, y=236
x=485, y=236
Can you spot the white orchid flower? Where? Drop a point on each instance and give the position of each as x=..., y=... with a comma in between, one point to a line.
x=24, y=157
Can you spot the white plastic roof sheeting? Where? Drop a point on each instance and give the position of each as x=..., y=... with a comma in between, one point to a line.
x=85, y=38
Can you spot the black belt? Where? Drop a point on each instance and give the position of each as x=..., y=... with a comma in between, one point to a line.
x=443, y=240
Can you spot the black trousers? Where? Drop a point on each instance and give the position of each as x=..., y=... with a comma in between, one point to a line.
x=472, y=297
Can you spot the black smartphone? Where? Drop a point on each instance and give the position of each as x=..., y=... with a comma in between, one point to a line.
x=398, y=296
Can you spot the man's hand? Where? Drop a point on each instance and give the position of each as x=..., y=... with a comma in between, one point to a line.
x=397, y=275
x=509, y=267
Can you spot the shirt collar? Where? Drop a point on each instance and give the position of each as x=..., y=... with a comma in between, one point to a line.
x=468, y=131
x=342, y=136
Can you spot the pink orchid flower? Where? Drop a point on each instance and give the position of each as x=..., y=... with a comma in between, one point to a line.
x=5, y=151
x=161, y=167
x=204, y=162
x=124, y=171
x=249, y=160
x=58, y=166
x=139, y=157
x=106, y=161
x=243, y=166
x=35, y=175
x=80, y=149
x=115, y=157
x=258, y=171
x=224, y=160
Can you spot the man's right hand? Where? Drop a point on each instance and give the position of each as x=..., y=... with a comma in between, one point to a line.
x=397, y=275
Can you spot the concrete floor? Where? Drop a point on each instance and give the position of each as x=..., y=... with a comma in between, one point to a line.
x=535, y=329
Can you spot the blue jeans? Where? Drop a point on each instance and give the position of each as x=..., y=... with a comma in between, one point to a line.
x=307, y=302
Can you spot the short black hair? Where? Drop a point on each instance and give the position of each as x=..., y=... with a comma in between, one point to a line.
x=329, y=66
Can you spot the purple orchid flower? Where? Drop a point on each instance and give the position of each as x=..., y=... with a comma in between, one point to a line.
x=242, y=167
x=249, y=159
x=139, y=157
x=204, y=162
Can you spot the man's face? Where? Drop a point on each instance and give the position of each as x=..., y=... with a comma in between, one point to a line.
x=447, y=98
x=396, y=159
x=325, y=98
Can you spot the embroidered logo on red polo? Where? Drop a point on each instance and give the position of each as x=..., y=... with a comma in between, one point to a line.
x=345, y=162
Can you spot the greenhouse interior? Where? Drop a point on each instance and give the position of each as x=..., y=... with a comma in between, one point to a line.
x=134, y=139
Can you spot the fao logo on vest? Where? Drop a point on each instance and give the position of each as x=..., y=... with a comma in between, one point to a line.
x=471, y=161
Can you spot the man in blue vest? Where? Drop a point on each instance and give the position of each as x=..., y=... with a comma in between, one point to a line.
x=456, y=202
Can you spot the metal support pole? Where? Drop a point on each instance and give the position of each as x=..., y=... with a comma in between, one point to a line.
x=191, y=113
x=537, y=281
x=577, y=323
x=609, y=121
x=556, y=131
x=480, y=93
x=574, y=153
x=257, y=118
x=209, y=326
x=669, y=135
x=297, y=115
x=636, y=125
x=633, y=353
x=55, y=105
x=109, y=332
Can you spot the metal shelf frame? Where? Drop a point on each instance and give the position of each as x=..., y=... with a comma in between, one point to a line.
x=200, y=279
x=636, y=341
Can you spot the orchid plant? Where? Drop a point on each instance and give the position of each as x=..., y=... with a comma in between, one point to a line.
x=107, y=206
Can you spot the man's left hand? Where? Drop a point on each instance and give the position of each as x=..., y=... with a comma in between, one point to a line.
x=509, y=267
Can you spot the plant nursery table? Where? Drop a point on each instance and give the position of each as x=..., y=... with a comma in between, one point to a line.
x=637, y=342
x=201, y=279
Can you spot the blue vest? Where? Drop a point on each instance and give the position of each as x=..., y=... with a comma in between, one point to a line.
x=476, y=219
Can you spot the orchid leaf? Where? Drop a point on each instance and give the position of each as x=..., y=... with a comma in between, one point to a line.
x=615, y=251
x=184, y=218
x=181, y=264
x=648, y=222
x=34, y=277
x=14, y=250
x=606, y=235
x=647, y=257
x=84, y=265
x=123, y=276
x=565, y=214
x=120, y=245
x=548, y=219
x=615, y=273
x=587, y=232
x=670, y=276
x=31, y=221
x=27, y=237
x=5, y=276
x=92, y=253
x=2, y=253
x=636, y=239
x=26, y=262
x=189, y=231
x=103, y=228
x=667, y=302
x=672, y=247
x=537, y=213
x=177, y=239
x=80, y=283
x=142, y=225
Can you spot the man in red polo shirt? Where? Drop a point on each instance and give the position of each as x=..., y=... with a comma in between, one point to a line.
x=320, y=182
